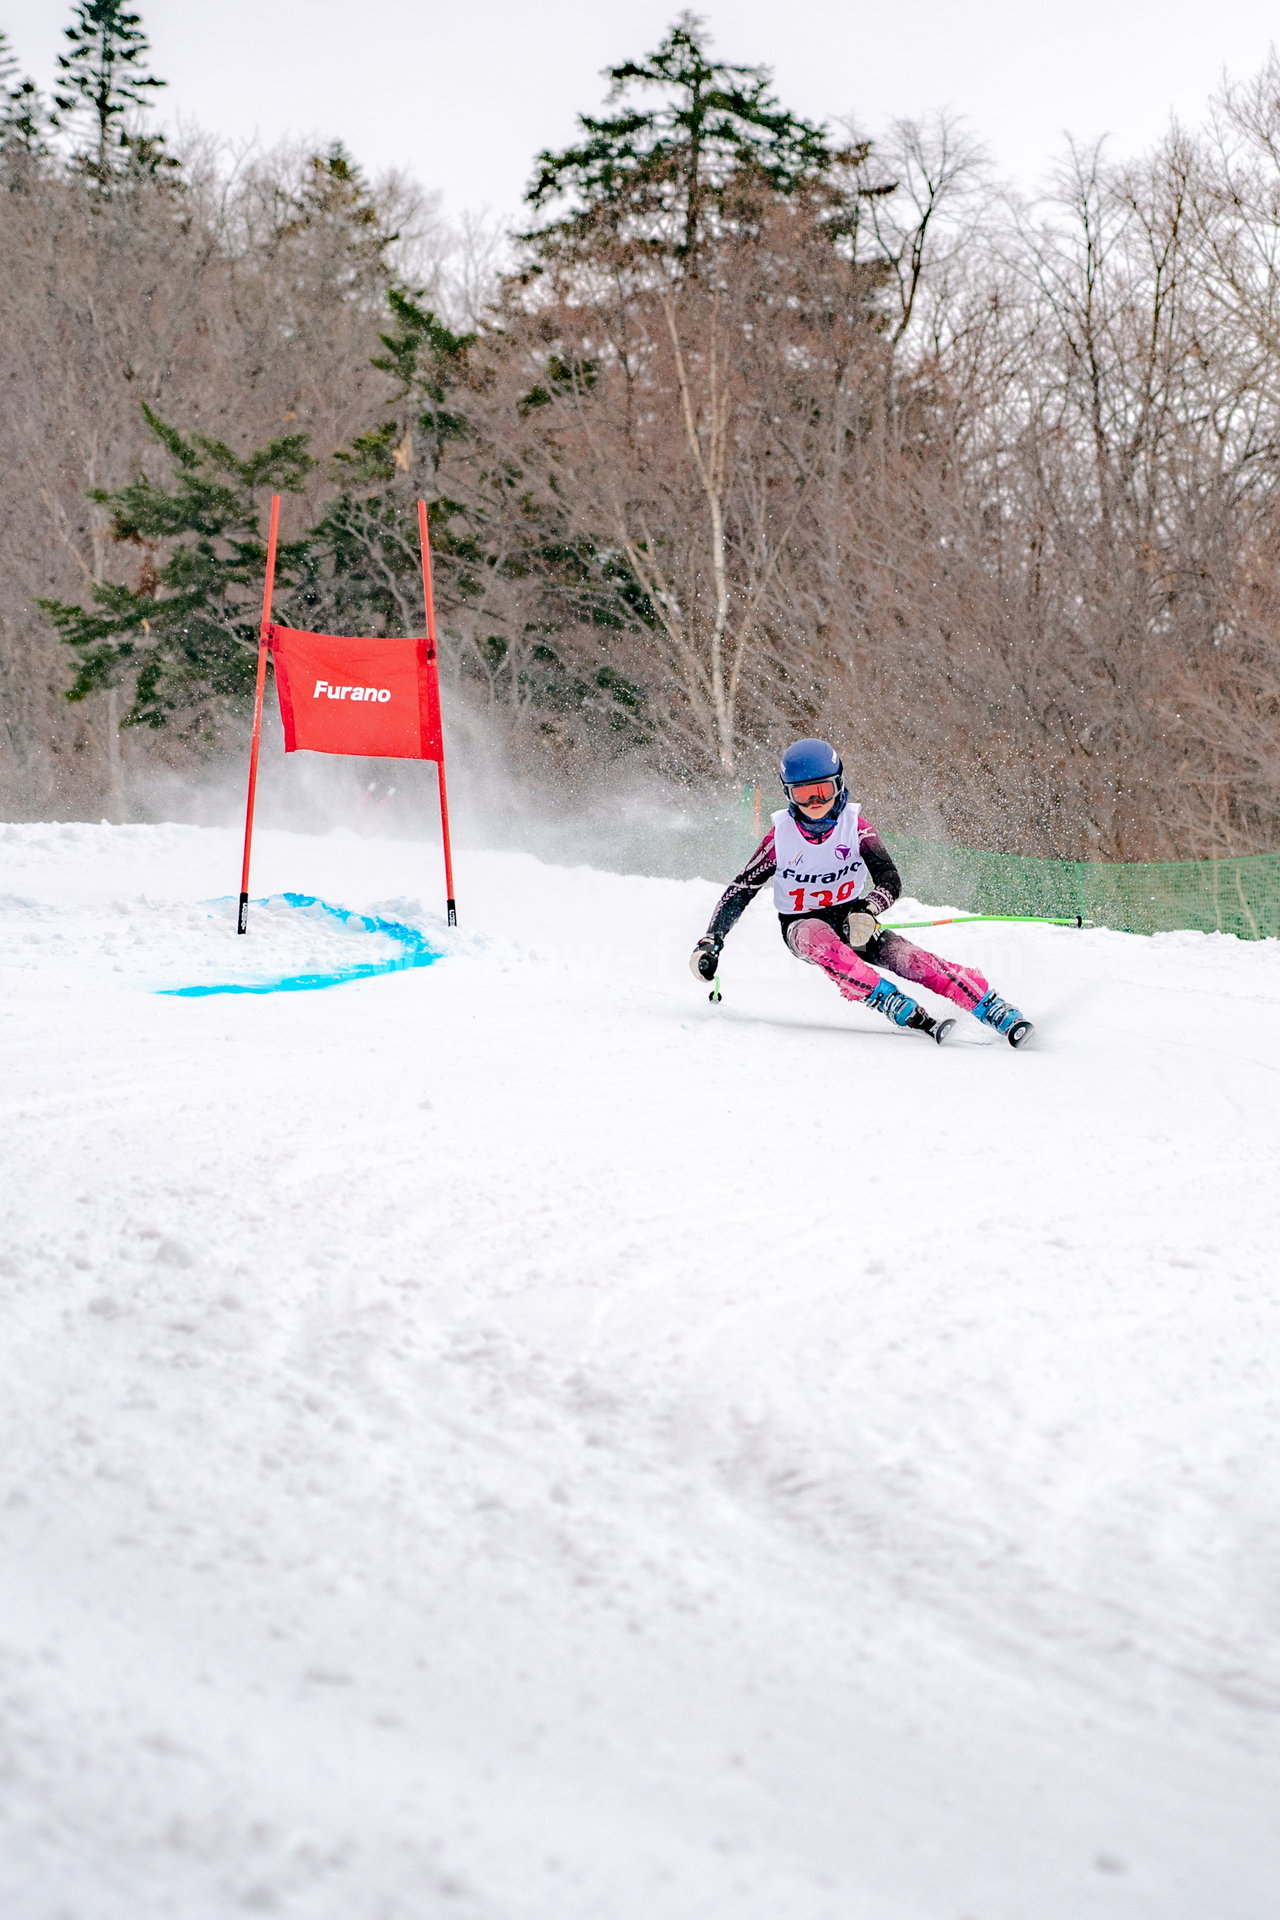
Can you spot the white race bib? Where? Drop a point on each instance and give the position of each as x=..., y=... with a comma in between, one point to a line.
x=813, y=874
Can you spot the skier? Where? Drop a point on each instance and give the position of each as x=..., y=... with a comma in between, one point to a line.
x=832, y=879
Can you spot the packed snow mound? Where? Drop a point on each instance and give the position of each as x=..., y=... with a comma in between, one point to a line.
x=299, y=942
x=511, y=1439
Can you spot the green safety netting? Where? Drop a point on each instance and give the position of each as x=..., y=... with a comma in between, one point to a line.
x=1224, y=896
x=1240, y=896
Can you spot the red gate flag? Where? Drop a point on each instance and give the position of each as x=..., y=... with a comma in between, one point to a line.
x=378, y=698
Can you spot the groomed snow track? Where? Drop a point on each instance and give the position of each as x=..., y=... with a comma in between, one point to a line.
x=510, y=1441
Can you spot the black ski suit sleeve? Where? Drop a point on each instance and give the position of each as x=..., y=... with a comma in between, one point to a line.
x=886, y=881
x=740, y=892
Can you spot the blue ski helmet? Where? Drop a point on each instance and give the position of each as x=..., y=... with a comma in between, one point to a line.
x=810, y=760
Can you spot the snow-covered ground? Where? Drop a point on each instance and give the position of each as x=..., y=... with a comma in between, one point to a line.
x=509, y=1440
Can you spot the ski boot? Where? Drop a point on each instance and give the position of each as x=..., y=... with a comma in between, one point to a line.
x=997, y=1013
x=899, y=1007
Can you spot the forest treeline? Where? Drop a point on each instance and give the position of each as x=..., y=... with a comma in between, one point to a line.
x=753, y=431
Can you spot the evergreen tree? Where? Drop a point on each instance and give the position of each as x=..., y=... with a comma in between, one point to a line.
x=428, y=363
x=365, y=549
x=656, y=173
x=103, y=76
x=506, y=575
x=334, y=215
x=23, y=118
x=186, y=633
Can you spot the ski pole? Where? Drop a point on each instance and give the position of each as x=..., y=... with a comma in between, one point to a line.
x=1012, y=919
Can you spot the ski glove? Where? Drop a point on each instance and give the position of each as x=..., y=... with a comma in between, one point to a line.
x=878, y=901
x=862, y=926
x=704, y=959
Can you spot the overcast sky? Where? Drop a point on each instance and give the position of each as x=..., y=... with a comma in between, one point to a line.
x=463, y=95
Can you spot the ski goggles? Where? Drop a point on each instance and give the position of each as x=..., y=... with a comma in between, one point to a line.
x=807, y=793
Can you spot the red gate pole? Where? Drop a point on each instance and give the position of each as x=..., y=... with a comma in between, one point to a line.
x=264, y=635
x=424, y=540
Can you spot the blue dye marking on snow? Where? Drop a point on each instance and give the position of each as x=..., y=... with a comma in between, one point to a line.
x=415, y=951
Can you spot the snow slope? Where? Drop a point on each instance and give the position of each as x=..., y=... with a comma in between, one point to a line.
x=508, y=1440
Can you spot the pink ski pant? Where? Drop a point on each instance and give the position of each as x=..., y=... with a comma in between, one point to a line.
x=821, y=946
